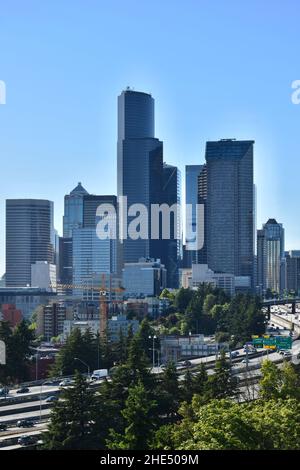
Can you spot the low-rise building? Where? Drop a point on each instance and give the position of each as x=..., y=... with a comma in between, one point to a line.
x=114, y=326
x=147, y=277
x=9, y=313
x=173, y=348
x=43, y=275
x=26, y=299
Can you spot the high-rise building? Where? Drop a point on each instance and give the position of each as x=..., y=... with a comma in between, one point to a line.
x=73, y=218
x=91, y=258
x=140, y=166
x=73, y=211
x=90, y=205
x=29, y=237
x=230, y=214
x=195, y=193
x=293, y=271
x=65, y=268
x=270, y=257
x=172, y=248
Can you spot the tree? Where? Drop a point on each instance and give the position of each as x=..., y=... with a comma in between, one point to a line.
x=279, y=383
x=269, y=385
x=138, y=415
x=168, y=392
x=227, y=425
x=222, y=384
x=77, y=421
x=18, y=342
x=182, y=299
x=78, y=345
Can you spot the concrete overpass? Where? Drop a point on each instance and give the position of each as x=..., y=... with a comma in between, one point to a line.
x=268, y=303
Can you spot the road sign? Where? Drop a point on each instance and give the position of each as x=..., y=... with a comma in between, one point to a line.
x=283, y=342
x=272, y=342
x=257, y=342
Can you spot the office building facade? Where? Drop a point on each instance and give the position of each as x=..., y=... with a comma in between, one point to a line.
x=230, y=212
x=270, y=257
x=147, y=277
x=29, y=238
x=292, y=258
x=172, y=247
x=140, y=167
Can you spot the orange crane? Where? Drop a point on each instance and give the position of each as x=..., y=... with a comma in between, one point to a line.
x=103, y=301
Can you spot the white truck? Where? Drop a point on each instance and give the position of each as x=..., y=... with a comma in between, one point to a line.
x=99, y=374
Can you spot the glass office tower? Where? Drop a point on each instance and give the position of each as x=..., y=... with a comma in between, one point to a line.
x=73, y=213
x=140, y=164
x=29, y=238
x=172, y=248
x=270, y=257
x=195, y=193
x=230, y=213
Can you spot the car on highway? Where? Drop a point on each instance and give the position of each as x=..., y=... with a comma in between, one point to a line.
x=65, y=383
x=26, y=440
x=25, y=423
x=51, y=399
x=3, y=427
x=23, y=390
x=244, y=361
x=4, y=391
x=187, y=363
x=235, y=353
x=287, y=354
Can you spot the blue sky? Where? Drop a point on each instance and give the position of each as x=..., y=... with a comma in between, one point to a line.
x=216, y=68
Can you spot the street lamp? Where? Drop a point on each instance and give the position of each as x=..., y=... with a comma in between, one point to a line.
x=84, y=363
x=45, y=381
x=153, y=349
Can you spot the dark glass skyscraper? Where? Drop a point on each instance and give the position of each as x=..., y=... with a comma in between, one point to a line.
x=29, y=238
x=140, y=164
x=171, y=249
x=230, y=212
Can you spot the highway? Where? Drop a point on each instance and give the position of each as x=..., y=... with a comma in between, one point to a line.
x=27, y=406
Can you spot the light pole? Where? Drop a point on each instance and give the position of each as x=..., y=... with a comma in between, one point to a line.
x=84, y=363
x=153, y=349
x=36, y=363
x=41, y=398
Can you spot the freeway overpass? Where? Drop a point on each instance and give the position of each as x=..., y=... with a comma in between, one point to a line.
x=284, y=301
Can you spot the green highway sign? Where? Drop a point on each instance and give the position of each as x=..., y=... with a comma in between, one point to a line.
x=283, y=342
x=272, y=342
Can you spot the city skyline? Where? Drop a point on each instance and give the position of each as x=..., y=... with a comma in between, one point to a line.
x=212, y=103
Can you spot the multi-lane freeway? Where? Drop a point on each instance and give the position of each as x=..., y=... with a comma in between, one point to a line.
x=33, y=405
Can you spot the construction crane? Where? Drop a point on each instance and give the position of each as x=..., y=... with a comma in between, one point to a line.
x=103, y=301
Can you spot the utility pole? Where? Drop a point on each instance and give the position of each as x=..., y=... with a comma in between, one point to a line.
x=153, y=349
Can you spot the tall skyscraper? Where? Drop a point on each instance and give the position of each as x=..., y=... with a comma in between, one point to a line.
x=230, y=214
x=73, y=218
x=73, y=213
x=92, y=257
x=195, y=193
x=270, y=257
x=90, y=205
x=172, y=248
x=140, y=164
x=29, y=235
